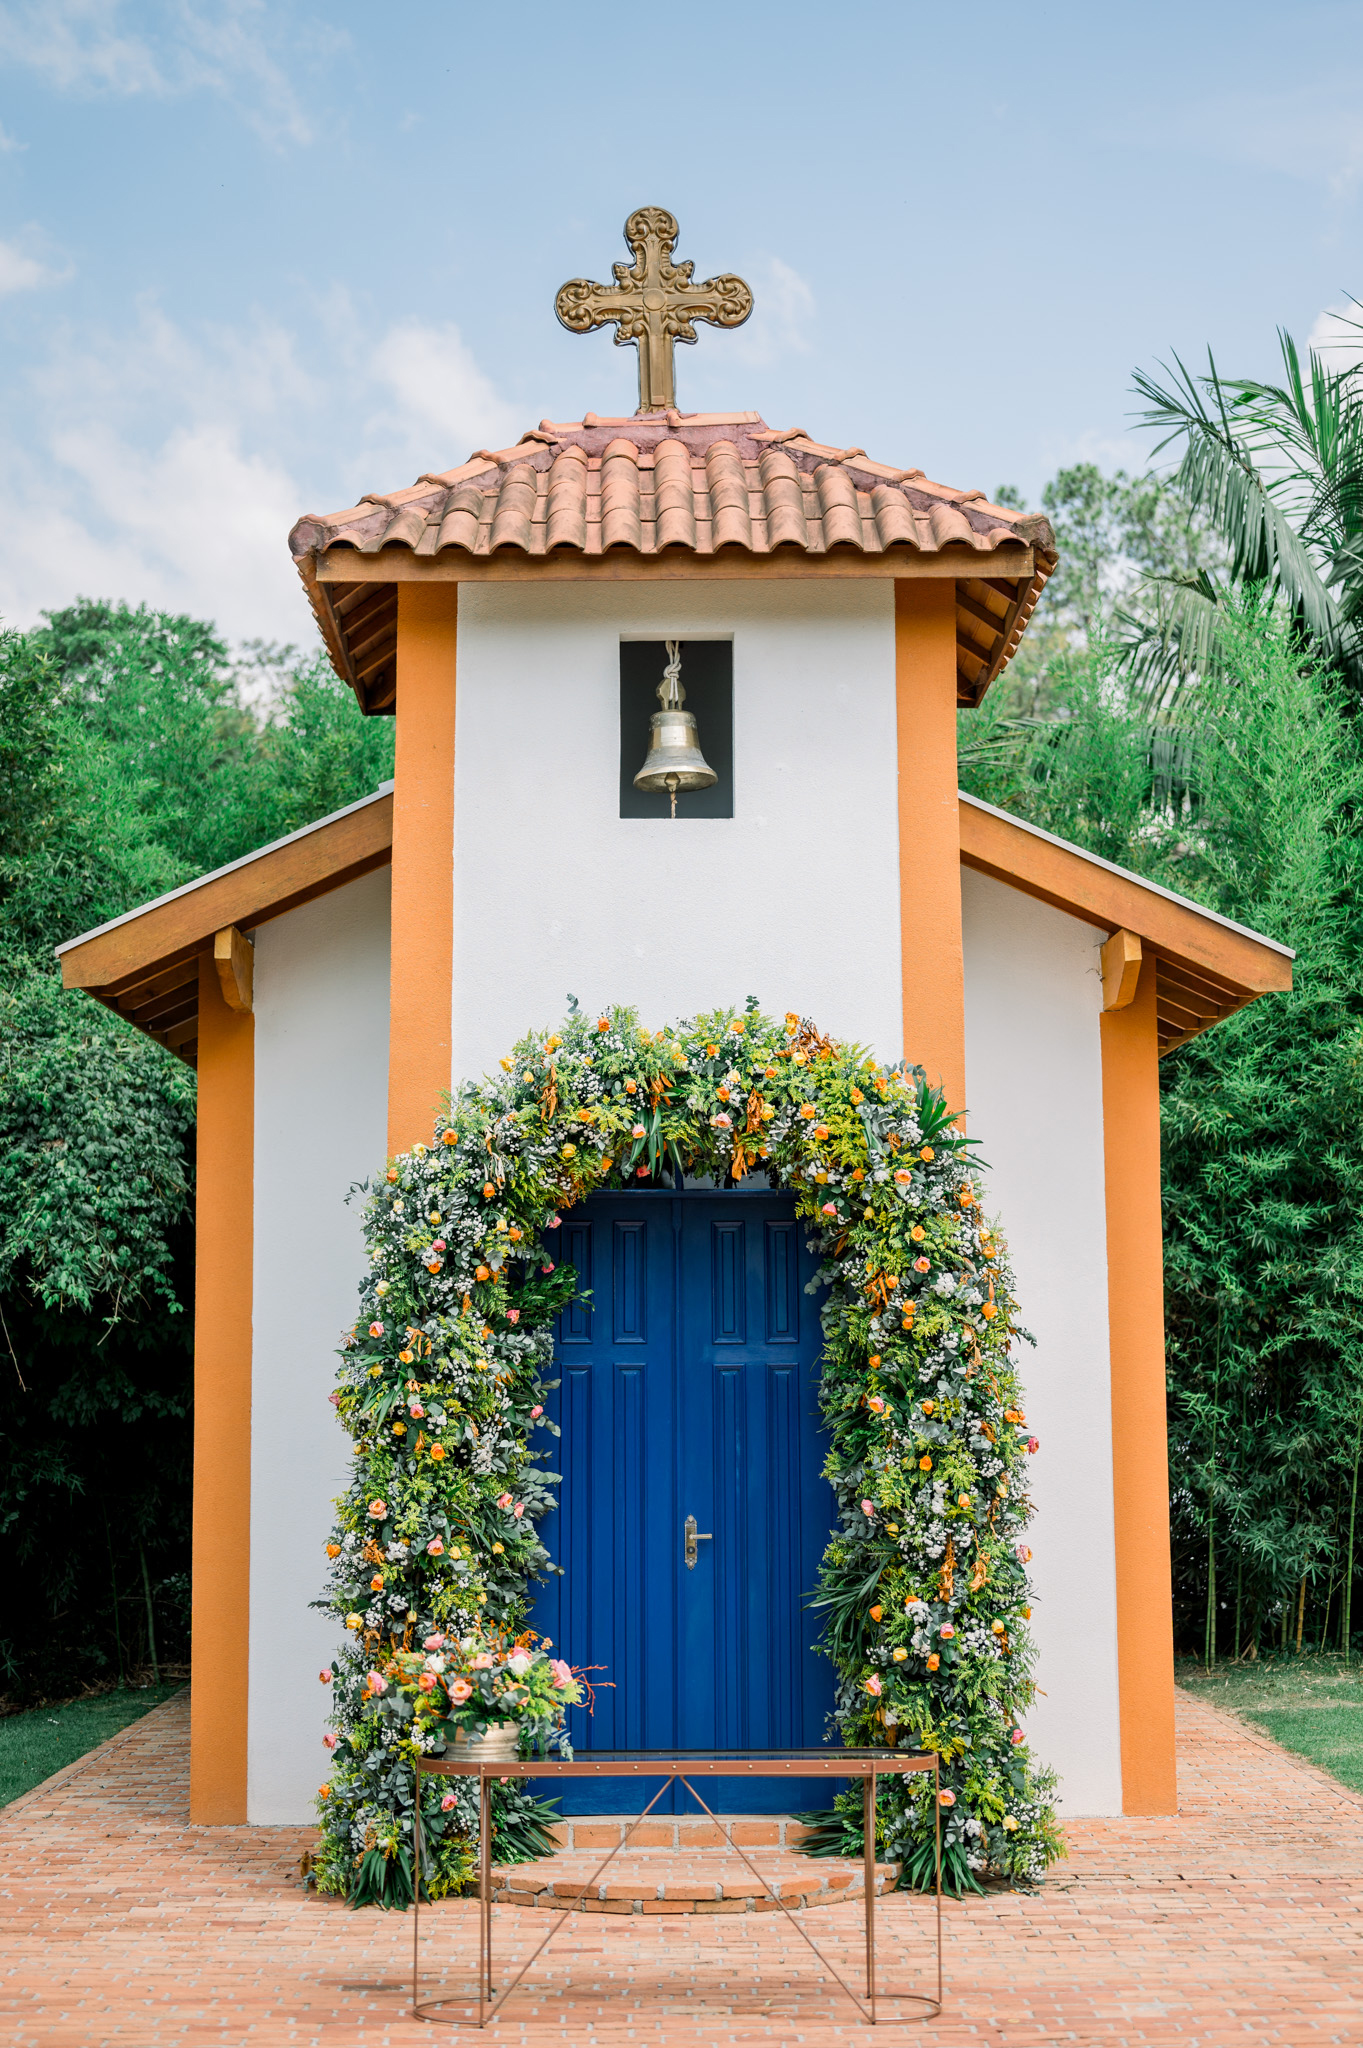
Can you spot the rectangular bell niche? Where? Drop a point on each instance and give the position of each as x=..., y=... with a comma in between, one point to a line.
x=707, y=676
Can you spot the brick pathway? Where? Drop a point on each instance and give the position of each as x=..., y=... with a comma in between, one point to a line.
x=123, y=1927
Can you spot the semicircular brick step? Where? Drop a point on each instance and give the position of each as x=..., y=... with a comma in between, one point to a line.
x=681, y=1865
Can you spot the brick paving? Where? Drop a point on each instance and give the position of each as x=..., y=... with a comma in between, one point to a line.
x=121, y=1926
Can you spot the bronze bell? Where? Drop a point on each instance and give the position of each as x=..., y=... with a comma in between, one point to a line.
x=674, y=759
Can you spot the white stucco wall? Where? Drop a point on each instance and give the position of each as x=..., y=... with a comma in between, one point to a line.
x=321, y=1057
x=795, y=899
x=1033, y=998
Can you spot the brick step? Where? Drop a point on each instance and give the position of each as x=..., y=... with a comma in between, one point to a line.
x=680, y=1876
x=680, y=1831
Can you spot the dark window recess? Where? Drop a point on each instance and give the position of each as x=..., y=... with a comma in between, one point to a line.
x=707, y=675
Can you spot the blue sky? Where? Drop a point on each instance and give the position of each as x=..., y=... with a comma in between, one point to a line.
x=257, y=260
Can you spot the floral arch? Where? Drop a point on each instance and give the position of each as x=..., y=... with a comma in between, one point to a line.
x=441, y=1387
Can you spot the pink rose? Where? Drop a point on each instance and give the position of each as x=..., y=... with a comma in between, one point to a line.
x=504, y=1500
x=433, y=1642
x=416, y=1411
x=513, y=1315
x=563, y=1674
x=447, y=1802
x=553, y=1223
x=829, y=1209
x=325, y=1677
x=920, y=1265
x=1033, y=1443
x=873, y=1685
x=547, y=1268
x=868, y=1507
x=535, y=1414
x=725, y=1123
x=1022, y=1554
x=376, y=1329
x=482, y=1662
x=519, y=1509
x=946, y=1631
x=438, y=1245
x=379, y=1510
x=460, y=1691
x=426, y=1682
x=377, y=1683
x=435, y=1548
x=1017, y=1738
x=335, y=1399
x=331, y=1740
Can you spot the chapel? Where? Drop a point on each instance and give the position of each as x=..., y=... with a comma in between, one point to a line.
x=811, y=620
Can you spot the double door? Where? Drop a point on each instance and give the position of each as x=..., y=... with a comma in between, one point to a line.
x=694, y=1511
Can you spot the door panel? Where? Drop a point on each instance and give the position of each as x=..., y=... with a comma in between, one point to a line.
x=703, y=1400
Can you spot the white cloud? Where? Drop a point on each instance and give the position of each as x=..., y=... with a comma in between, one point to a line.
x=83, y=46
x=78, y=45
x=20, y=272
x=446, y=406
x=782, y=316
x=9, y=143
x=1338, y=336
x=166, y=465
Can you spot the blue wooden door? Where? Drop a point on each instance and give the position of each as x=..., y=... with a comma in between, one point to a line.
x=689, y=1387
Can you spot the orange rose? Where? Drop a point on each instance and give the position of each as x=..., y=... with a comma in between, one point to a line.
x=876, y=1613
x=437, y=1451
x=925, y=1463
x=483, y=1273
x=927, y=1153
x=934, y=1662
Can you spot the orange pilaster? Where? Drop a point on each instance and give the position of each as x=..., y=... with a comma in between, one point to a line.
x=930, y=832
x=423, y=861
x=223, y=1264
x=1135, y=1279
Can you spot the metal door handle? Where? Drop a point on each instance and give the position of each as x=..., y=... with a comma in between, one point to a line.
x=693, y=1537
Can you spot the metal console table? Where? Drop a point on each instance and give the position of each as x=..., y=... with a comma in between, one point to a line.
x=675, y=1766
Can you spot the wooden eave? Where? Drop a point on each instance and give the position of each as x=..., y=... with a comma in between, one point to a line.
x=145, y=965
x=1207, y=967
x=354, y=594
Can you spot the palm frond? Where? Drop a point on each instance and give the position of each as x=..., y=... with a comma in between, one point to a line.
x=1218, y=474
x=1163, y=653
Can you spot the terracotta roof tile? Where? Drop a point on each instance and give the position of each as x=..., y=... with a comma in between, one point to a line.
x=701, y=483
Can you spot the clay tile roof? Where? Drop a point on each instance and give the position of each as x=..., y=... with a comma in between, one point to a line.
x=698, y=485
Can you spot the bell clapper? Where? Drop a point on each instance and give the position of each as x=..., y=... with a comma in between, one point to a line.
x=672, y=792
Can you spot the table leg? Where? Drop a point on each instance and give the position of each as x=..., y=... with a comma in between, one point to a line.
x=868, y=1848
x=416, y=1895
x=485, y=1891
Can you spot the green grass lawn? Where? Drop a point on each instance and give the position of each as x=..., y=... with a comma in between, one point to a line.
x=1312, y=1705
x=35, y=1744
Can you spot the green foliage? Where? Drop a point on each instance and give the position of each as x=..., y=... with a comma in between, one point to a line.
x=442, y=1388
x=1263, y=1178
x=1276, y=470
x=130, y=760
x=1121, y=539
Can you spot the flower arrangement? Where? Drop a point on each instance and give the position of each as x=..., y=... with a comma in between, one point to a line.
x=442, y=1387
x=460, y=1689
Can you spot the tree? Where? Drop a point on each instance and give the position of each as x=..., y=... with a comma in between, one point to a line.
x=131, y=758
x=1276, y=470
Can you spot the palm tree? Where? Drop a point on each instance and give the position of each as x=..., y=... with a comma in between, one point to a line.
x=1277, y=471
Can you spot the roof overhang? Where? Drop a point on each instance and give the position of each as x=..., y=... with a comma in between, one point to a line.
x=664, y=497
x=145, y=965
x=1208, y=967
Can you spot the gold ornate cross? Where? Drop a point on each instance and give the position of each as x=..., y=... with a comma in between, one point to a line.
x=653, y=303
